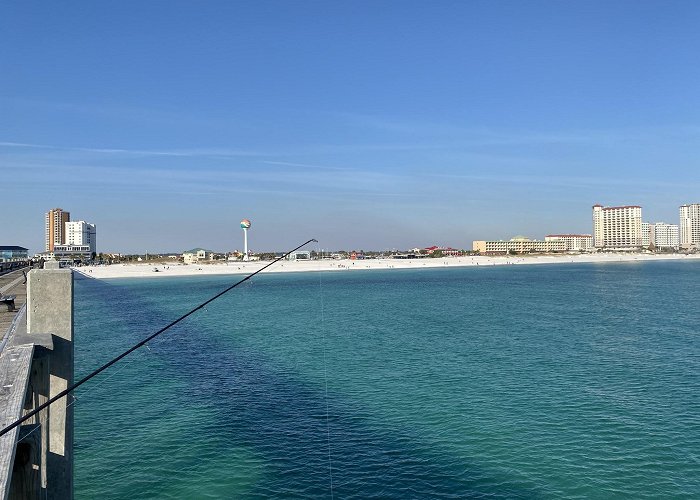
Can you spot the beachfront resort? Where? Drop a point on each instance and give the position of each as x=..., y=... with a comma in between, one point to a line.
x=617, y=231
x=619, y=234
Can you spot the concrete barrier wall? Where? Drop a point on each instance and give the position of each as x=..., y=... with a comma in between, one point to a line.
x=50, y=310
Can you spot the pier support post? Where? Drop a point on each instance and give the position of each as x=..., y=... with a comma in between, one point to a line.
x=39, y=384
x=50, y=309
x=26, y=473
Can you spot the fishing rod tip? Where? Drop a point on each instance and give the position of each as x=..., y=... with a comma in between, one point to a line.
x=314, y=240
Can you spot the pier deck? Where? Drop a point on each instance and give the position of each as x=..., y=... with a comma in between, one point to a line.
x=36, y=363
x=12, y=284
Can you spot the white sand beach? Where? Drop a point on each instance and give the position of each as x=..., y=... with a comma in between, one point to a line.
x=152, y=270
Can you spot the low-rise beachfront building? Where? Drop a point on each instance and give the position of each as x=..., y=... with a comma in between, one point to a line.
x=689, y=230
x=299, y=255
x=519, y=244
x=197, y=255
x=446, y=251
x=234, y=256
x=409, y=255
x=617, y=228
x=72, y=252
x=573, y=242
x=11, y=253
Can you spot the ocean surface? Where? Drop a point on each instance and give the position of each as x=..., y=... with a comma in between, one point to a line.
x=524, y=381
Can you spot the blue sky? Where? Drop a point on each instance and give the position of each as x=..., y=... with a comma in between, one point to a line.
x=368, y=125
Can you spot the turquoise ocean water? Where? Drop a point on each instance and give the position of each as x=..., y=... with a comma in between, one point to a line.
x=556, y=381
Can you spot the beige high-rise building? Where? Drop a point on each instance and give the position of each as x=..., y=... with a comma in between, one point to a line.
x=690, y=226
x=598, y=226
x=56, y=220
x=617, y=227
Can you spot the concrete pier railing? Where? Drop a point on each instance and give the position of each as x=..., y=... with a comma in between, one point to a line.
x=36, y=363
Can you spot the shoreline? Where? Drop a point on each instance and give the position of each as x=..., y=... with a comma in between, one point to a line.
x=148, y=270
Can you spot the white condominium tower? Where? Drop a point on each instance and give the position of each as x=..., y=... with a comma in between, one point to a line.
x=665, y=235
x=56, y=220
x=617, y=227
x=81, y=233
x=661, y=235
x=690, y=226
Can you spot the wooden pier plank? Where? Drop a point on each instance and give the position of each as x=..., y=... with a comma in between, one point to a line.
x=12, y=284
x=15, y=364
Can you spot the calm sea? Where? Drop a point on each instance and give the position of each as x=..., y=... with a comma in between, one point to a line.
x=556, y=381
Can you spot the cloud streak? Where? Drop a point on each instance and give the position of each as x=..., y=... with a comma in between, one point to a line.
x=191, y=153
x=484, y=136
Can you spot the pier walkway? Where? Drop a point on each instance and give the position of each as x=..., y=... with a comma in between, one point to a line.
x=13, y=283
x=36, y=363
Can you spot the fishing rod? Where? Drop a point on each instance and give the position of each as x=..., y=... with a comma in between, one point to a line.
x=70, y=389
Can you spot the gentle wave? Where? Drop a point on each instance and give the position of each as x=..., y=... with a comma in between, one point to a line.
x=562, y=382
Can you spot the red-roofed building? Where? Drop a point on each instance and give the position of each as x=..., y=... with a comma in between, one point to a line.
x=446, y=251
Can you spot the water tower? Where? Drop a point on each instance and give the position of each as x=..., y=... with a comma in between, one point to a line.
x=245, y=225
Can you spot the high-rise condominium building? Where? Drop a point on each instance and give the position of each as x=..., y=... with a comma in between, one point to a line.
x=690, y=226
x=81, y=233
x=56, y=220
x=660, y=235
x=647, y=234
x=666, y=235
x=617, y=227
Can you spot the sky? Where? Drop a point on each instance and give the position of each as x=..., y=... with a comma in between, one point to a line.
x=366, y=125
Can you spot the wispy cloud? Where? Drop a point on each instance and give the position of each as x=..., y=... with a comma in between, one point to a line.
x=297, y=179
x=302, y=165
x=123, y=112
x=564, y=181
x=213, y=153
x=466, y=134
x=485, y=136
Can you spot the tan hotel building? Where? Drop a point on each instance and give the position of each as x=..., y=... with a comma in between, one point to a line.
x=617, y=227
x=519, y=244
x=56, y=220
x=574, y=242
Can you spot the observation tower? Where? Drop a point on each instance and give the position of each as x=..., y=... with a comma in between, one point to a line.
x=245, y=225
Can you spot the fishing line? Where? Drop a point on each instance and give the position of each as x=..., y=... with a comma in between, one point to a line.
x=112, y=374
x=42, y=421
x=40, y=424
x=325, y=373
x=142, y=343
